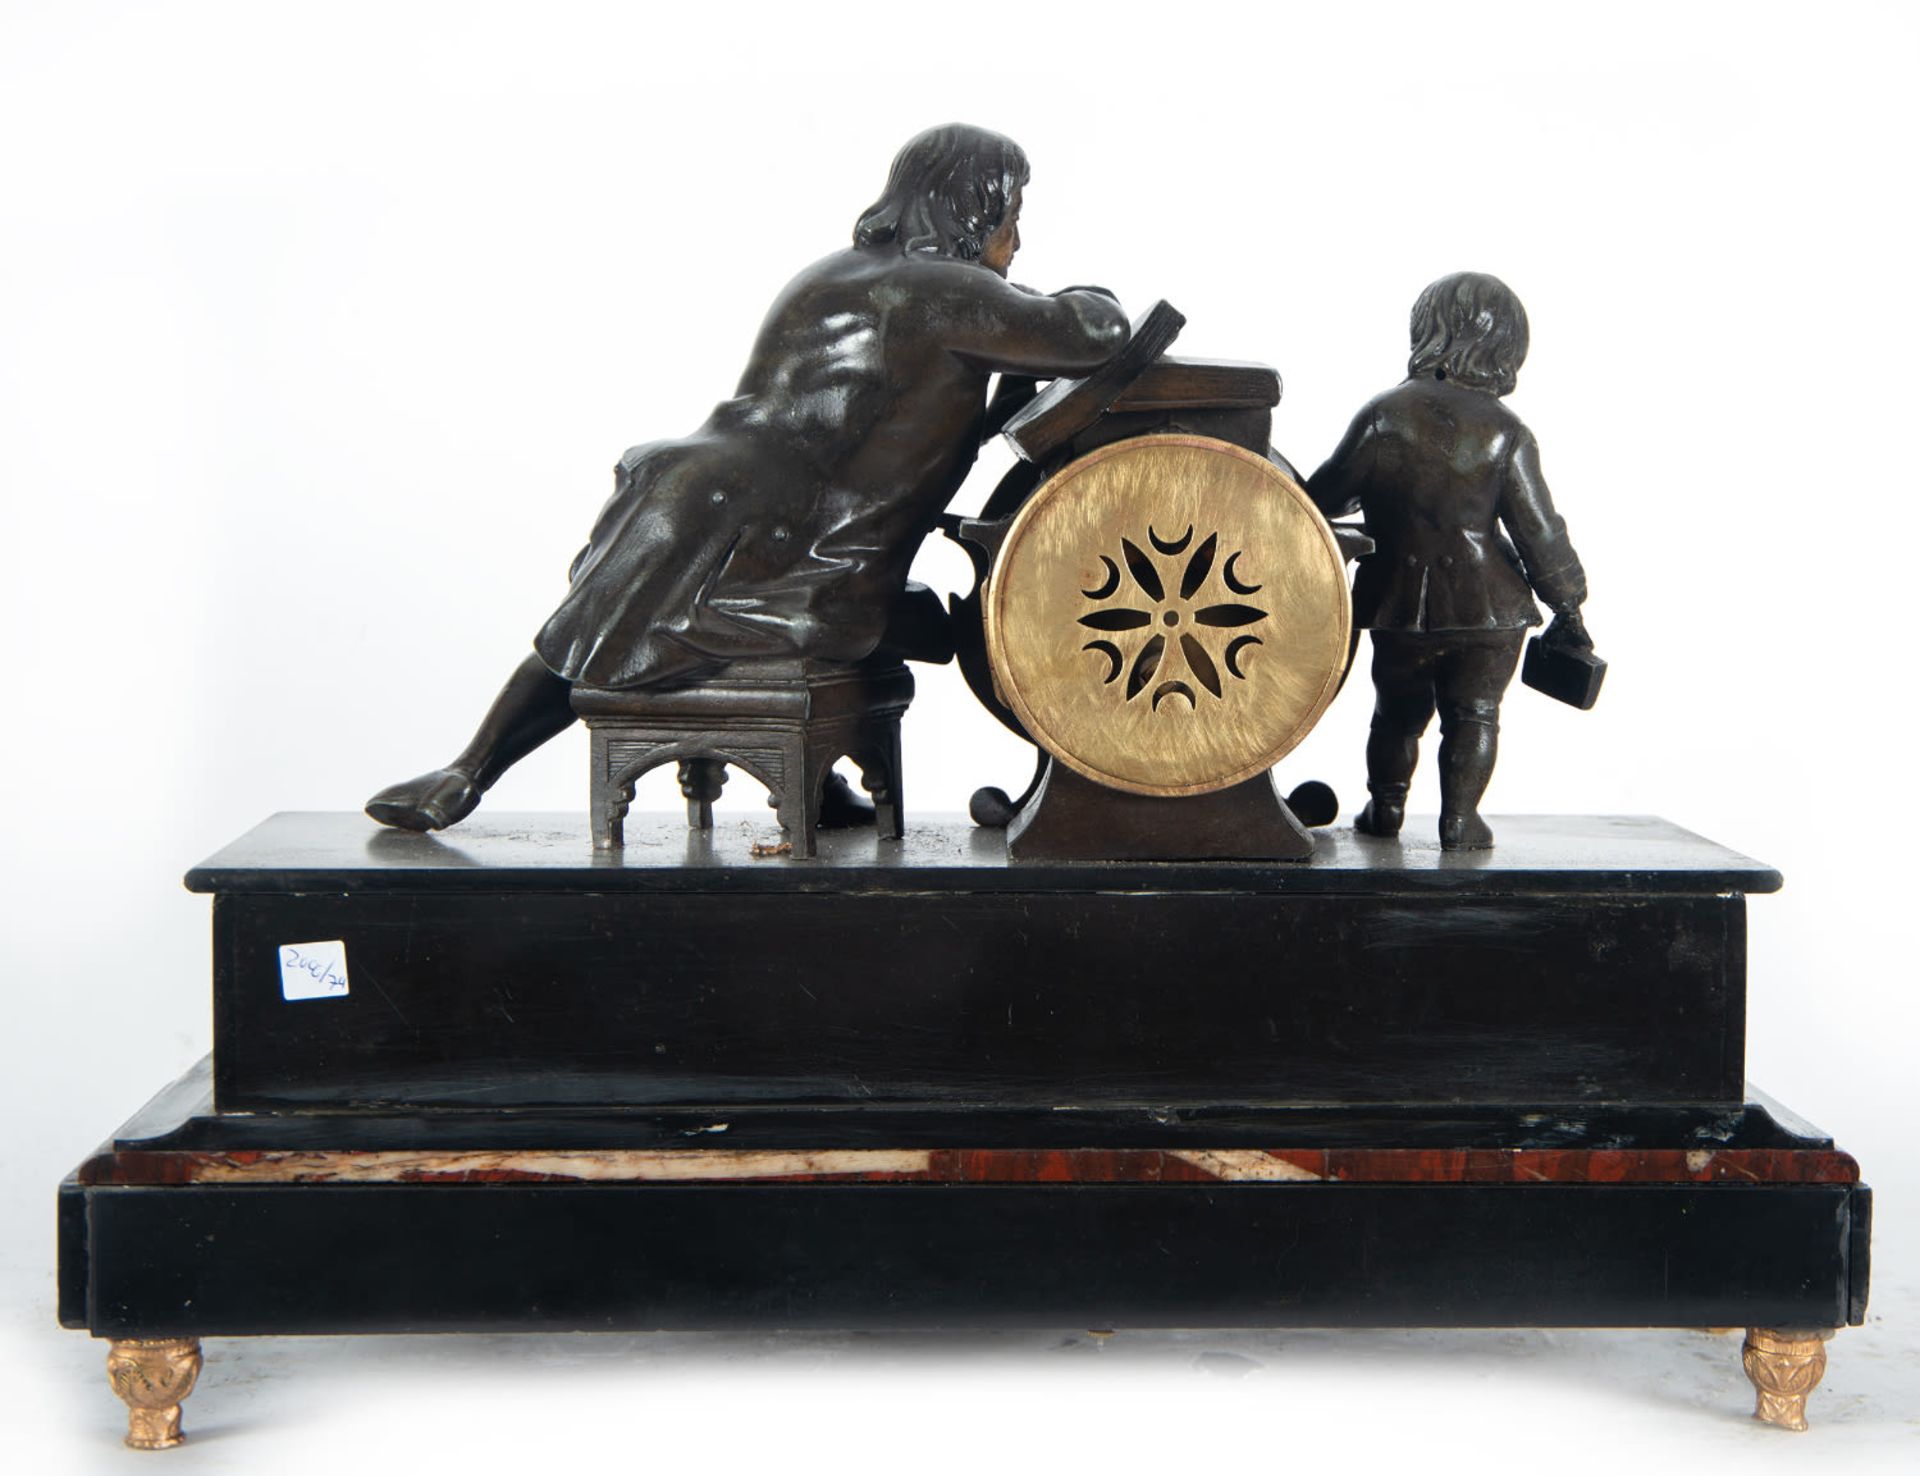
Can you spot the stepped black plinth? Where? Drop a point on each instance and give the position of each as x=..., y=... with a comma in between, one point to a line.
x=909, y=1084
x=510, y=964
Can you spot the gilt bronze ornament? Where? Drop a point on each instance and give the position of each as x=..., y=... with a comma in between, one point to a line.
x=1785, y=1366
x=153, y=1377
x=1165, y=615
x=1168, y=615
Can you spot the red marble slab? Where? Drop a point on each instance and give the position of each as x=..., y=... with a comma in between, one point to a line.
x=991, y=1166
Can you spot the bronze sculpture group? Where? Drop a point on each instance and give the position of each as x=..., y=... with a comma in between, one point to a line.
x=783, y=528
x=680, y=1089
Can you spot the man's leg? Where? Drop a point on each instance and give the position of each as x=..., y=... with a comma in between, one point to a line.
x=1402, y=708
x=1470, y=682
x=532, y=707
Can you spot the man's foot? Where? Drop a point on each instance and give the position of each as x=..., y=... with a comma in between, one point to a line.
x=1380, y=817
x=1466, y=832
x=431, y=802
x=841, y=808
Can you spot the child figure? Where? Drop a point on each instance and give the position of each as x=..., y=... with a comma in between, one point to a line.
x=1439, y=468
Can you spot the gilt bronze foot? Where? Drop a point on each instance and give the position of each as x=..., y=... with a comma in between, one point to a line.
x=152, y=1376
x=1785, y=1365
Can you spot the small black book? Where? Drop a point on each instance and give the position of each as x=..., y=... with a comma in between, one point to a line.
x=1569, y=675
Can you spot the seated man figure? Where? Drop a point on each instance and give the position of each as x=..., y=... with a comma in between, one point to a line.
x=1438, y=467
x=784, y=526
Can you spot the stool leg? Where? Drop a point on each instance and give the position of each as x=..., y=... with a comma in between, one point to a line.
x=701, y=781
x=798, y=803
x=614, y=817
x=599, y=792
x=880, y=777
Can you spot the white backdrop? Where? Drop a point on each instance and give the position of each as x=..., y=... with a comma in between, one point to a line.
x=322, y=326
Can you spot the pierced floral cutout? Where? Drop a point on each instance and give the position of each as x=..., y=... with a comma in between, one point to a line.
x=1179, y=649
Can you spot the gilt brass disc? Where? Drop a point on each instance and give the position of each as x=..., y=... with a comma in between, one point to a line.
x=1168, y=615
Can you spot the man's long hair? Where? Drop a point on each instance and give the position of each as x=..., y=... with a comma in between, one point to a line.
x=946, y=194
x=1469, y=328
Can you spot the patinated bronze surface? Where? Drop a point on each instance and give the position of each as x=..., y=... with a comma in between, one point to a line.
x=783, y=722
x=1448, y=481
x=783, y=528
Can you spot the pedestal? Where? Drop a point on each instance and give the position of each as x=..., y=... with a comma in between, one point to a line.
x=500, y=1080
x=509, y=964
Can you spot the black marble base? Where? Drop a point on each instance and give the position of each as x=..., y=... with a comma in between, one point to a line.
x=213, y=1261
x=511, y=1083
x=508, y=964
x=190, y=1223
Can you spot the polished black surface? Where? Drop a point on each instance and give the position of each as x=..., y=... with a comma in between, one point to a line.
x=181, y=1119
x=322, y=851
x=318, y=1258
x=142, y=1258
x=1023, y=998
x=1592, y=960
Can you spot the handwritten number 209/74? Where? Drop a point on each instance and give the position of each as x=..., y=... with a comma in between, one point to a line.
x=321, y=969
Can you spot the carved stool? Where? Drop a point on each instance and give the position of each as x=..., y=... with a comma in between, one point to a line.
x=784, y=722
